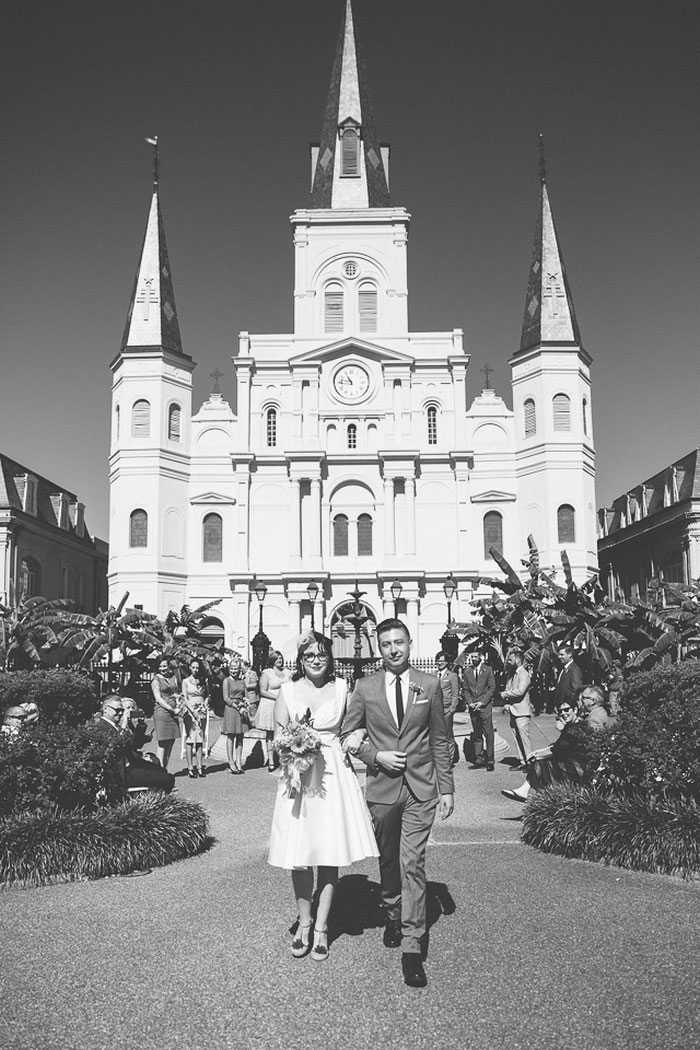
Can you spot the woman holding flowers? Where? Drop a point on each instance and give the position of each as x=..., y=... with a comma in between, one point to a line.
x=195, y=715
x=270, y=681
x=166, y=708
x=320, y=818
x=236, y=716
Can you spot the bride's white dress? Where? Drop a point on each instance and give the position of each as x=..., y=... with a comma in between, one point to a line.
x=327, y=822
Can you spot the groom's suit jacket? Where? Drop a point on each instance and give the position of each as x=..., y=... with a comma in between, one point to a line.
x=479, y=688
x=422, y=736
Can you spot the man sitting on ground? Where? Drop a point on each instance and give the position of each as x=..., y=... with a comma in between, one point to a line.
x=136, y=771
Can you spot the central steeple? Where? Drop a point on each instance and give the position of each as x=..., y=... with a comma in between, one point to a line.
x=349, y=166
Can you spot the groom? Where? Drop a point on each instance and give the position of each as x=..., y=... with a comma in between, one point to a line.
x=409, y=775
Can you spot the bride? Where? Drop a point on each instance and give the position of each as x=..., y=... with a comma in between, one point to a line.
x=325, y=824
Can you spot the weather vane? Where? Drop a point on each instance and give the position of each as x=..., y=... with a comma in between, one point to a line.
x=216, y=376
x=487, y=370
x=154, y=142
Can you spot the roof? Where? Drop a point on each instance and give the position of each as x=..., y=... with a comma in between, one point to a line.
x=13, y=477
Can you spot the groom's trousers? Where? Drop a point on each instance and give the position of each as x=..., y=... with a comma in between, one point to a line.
x=402, y=829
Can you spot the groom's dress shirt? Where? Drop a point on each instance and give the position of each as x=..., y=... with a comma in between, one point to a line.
x=390, y=691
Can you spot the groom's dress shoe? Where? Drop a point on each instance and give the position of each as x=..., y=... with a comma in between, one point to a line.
x=392, y=933
x=413, y=972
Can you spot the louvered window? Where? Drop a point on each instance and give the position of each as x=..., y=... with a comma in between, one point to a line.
x=530, y=417
x=432, y=425
x=271, y=428
x=352, y=436
x=350, y=153
x=562, y=412
x=212, y=538
x=174, y=423
x=333, y=308
x=28, y=578
x=367, y=306
x=340, y=536
x=673, y=568
x=141, y=420
x=138, y=529
x=364, y=535
x=566, y=524
x=493, y=532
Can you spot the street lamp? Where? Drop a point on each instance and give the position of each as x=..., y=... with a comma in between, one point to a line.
x=312, y=591
x=260, y=643
x=396, y=589
x=449, y=640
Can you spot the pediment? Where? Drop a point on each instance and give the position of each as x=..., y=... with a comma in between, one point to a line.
x=494, y=496
x=212, y=497
x=351, y=347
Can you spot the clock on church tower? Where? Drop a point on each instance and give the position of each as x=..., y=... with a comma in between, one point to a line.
x=351, y=382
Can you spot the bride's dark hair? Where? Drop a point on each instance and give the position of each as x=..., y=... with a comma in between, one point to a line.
x=325, y=645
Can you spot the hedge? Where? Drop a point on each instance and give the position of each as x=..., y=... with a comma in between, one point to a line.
x=64, y=697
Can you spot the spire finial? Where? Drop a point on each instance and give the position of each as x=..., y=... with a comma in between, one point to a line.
x=154, y=142
x=543, y=165
x=216, y=376
x=487, y=370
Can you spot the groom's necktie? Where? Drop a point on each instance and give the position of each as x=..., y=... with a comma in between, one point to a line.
x=399, y=702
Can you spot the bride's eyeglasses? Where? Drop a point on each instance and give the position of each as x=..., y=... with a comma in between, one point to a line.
x=315, y=657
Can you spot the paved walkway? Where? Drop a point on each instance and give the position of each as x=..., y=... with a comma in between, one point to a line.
x=526, y=951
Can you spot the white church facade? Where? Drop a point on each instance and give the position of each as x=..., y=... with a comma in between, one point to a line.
x=356, y=450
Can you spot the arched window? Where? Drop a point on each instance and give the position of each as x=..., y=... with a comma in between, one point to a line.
x=493, y=532
x=271, y=427
x=28, y=578
x=364, y=535
x=350, y=151
x=340, y=535
x=530, y=417
x=352, y=435
x=367, y=307
x=561, y=406
x=566, y=524
x=174, y=423
x=431, y=416
x=212, y=538
x=673, y=567
x=138, y=528
x=141, y=419
x=333, y=320
x=584, y=414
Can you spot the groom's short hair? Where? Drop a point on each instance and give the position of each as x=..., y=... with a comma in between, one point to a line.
x=392, y=624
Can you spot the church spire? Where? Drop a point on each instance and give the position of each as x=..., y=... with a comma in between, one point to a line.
x=349, y=166
x=549, y=307
x=152, y=318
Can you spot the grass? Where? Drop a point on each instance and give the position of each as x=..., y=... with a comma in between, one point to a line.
x=642, y=833
x=37, y=849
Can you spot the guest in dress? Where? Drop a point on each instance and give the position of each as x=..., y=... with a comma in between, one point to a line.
x=271, y=680
x=324, y=823
x=236, y=715
x=251, y=689
x=166, y=693
x=195, y=716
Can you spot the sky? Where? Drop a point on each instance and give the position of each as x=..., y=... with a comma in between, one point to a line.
x=236, y=92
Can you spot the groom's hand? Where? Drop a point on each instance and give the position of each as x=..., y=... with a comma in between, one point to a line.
x=447, y=804
x=392, y=761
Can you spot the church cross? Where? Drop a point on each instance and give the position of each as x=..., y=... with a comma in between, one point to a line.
x=487, y=370
x=216, y=376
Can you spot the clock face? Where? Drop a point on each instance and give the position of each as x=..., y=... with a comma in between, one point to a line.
x=351, y=382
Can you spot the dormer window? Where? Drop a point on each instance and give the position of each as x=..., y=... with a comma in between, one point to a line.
x=349, y=133
x=30, y=489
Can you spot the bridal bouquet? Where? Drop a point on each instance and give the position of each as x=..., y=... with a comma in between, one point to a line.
x=297, y=745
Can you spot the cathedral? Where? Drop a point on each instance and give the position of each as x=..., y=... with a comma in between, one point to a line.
x=357, y=450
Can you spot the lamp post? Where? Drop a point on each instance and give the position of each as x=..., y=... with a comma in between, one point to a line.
x=396, y=589
x=312, y=591
x=260, y=643
x=449, y=640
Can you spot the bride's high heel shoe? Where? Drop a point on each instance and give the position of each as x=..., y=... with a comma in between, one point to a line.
x=319, y=952
x=300, y=947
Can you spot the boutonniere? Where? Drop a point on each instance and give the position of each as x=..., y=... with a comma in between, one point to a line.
x=416, y=690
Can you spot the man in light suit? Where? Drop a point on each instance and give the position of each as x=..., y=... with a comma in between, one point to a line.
x=479, y=691
x=409, y=777
x=449, y=684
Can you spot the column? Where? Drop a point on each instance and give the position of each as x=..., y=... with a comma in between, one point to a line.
x=295, y=519
x=694, y=551
x=410, y=484
x=389, y=522
x=294, y=616
x=412, y=619
x=314, y=548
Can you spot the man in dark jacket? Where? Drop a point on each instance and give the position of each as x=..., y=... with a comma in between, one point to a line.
x=479, y=691
x=569, y=680
x=135, y=771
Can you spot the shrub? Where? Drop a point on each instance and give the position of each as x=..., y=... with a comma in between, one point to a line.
x=145, y=832
x=643, y=833
x=63, y=696
x=654, y=748
x=58, y=765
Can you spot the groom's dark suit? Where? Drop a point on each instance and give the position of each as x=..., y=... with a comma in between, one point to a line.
x=403, y=804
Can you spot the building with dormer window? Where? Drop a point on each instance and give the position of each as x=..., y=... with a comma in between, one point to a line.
x=357, y=450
